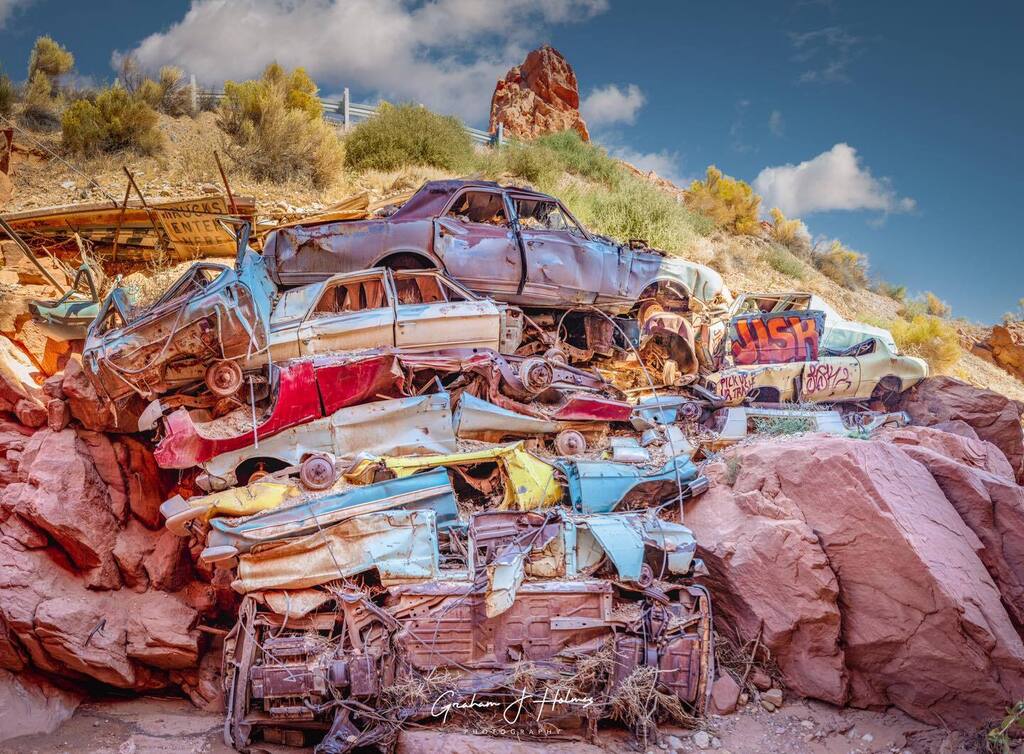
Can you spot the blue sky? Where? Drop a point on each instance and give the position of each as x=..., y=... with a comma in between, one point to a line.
x=894, y=126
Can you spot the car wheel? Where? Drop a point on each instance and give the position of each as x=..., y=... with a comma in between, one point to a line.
x=317, y=472
x=536, y=375
x=569, y=442
x=224, y=378
x=556, y=356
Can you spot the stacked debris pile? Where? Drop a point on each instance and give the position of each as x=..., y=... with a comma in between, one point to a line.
x=384, y=489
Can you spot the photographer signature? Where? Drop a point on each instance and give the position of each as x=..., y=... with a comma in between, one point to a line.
x=511, y=711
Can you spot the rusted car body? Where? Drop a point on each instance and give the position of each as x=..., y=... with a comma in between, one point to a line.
x=413, y=310
x=516, y=245
x=431, y=491
x=347, y=664
x=211, y=313
x=871, y=372
x=303, y=390
x=418, y=424
x=216, y=322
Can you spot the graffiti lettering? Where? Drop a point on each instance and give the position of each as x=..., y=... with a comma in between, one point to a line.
x=734, y=387
x=776, y=338
x=822, y=378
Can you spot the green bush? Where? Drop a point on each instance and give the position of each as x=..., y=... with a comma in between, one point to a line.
x=7, y=94
x=116, y=121
x=636, y=209
x=402, y=135
x=277, y=128
x=844, y=266
x=49, y=58
x=927, y=337
x=575, y=156
x=783, y=261
x=897, y=293
x=168, y=94
x=730, y=203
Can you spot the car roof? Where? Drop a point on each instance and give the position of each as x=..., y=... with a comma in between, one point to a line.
x=434, y=195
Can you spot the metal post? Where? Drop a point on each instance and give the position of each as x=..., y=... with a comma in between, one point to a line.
x=195, y=94
x=344, y=104
x=501, y=133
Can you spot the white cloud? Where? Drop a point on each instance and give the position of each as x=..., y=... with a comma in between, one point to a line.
x=826, y=54
x=776, y=123
x=446, y=54
x=665, y=163
x=7, y=7
x=834, y=180
x=610, y=104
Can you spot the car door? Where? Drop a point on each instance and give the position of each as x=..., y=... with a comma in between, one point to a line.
x=351, y=313
x=431, y=313
x=830, y=378
x=563, y=266
x=475, y=240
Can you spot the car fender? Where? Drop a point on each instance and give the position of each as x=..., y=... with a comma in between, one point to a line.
x=427, y=256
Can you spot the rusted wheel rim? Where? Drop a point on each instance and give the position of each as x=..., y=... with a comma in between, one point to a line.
x=536, y=375
x=317, y=473
x=556, y=356
x=224, y=378
x=569, y=442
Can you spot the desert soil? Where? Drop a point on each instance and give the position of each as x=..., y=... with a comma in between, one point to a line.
x=151, y=725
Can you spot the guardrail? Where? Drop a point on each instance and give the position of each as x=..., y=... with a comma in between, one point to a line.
x=346, y=113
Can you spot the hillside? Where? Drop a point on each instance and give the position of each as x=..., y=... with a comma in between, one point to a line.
x=188, y=166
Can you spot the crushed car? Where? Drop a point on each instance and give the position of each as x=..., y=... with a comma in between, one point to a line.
x=530, y=605
x=216, y=322
x=513, y=244
x=778, y=351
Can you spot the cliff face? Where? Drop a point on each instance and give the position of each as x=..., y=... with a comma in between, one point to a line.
x=539, y=97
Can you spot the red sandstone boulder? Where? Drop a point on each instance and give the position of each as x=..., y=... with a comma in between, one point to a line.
x=31, y=705
x=993, y=416
x=1004, y=347
x=538, y=97
x=863, y=579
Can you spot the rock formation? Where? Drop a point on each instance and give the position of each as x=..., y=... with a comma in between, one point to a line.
x=949, y=403
x=877, y=573
x=1004, y=347
x=538, y=97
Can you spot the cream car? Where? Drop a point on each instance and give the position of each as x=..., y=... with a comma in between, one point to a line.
x=870, y=370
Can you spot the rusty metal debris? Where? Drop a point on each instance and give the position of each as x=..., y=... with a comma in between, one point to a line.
x=429, y=499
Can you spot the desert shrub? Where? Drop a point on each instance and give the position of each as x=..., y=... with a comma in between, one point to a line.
x=927, y=337
x=844, y=266
x=935, y=306
x=116, y=121
x=730, y=203
x=777, y=426
x=532, y=163
x=7, y=94
x=791, y=233
x=40, y=106
x=573, y=155
x=636, y=209
x=49, y=58
x=277, y=129
x=168, y=93
x=402, y=135
x=895, y=292
x=782, y=260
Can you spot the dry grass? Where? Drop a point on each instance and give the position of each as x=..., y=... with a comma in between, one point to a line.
x=639, y=704
x=417, y=690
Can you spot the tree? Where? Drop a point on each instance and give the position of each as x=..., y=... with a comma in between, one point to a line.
x=51, y=59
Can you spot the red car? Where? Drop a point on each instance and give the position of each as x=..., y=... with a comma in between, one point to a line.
x=307, y=389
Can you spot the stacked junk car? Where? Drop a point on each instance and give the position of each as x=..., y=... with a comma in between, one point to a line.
x=445, y=449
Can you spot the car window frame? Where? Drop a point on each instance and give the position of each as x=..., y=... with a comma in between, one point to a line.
x=390, y=296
